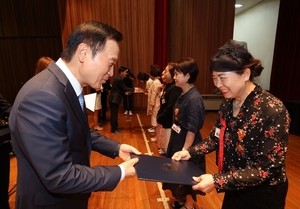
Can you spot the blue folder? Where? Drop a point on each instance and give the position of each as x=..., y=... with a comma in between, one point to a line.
x=162, y=169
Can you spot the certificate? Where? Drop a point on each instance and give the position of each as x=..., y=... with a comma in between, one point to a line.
x=161, y=169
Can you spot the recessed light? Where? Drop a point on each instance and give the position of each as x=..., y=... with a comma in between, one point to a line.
x=238, y=5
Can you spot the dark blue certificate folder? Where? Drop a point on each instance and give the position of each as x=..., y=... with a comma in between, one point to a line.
x=161, y=169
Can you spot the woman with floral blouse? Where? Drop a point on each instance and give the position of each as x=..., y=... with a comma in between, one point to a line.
x=153, y=100
x=250, y=136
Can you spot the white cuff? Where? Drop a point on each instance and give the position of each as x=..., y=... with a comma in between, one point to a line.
x=122, y=172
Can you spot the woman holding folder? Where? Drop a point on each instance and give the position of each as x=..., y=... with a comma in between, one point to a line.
x=188, y=119
x=250, y=136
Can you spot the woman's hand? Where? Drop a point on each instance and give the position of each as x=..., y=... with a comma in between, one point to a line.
x=181, y=155
x=206, y=183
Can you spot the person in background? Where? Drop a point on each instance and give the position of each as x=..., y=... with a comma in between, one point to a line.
x=148, y=84
x=104, y=92
x=145, y=78
x=49, y=126
x=188, y=119
x=42, y=64
x=118, y=89
x=97, y=109
x=250, y=136
x=168, y=98
x=159, y=131
x=153, y=98
x=5, y=150
x=128, y=99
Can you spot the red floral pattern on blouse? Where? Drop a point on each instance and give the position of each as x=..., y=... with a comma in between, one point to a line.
x=255, y=142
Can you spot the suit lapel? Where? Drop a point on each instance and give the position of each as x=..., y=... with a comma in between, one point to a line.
x=73, y=100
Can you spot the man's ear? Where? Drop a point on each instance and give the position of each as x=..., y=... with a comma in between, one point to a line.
x=81, y=52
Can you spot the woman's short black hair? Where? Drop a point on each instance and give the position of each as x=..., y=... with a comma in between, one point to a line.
x=143, y=76
x=154, y=70
x=188, y=66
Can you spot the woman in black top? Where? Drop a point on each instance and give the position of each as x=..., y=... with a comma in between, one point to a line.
x=168, y=98
x=188, y=119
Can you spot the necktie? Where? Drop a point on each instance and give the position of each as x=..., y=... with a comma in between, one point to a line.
x=81, y=100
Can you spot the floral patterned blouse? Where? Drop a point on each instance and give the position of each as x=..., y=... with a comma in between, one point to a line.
x=154, y=97
x=254, y=142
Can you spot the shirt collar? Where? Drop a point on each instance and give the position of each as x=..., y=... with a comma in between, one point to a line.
x=74, y=82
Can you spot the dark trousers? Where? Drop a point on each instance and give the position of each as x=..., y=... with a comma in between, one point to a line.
x=128, y=102
x=102, y=112
x=5, y=149
x=258, y=197
x=114, y=116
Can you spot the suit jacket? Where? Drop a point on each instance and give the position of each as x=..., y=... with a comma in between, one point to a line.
x=53, y=142
x=127, y=80
x=118, y=89
x=106, y=87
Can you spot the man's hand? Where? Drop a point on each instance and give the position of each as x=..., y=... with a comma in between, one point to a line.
x=206, y=183
x=181, y=155
x=128, y=167
x=125, y=150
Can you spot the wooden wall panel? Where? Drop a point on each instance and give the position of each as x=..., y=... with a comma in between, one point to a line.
x=29, y=18
x=29, y=29
x=33, y=28
x=21, y=55
x=197, y=29
x=134, y=19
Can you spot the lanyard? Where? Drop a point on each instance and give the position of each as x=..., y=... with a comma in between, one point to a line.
x=221, y=144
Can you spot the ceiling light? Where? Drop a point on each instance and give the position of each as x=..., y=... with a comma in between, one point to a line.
x=238, y=5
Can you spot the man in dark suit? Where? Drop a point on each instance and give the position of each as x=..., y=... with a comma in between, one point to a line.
x=128, y=99
x=118, y=89
x=50, y=131
x=104, y=93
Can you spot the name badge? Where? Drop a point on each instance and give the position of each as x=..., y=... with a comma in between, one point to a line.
x=217, y=132
x=176, y=128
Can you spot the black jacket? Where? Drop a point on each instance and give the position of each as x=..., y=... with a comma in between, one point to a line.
x=167, y=101
x=118, y=89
